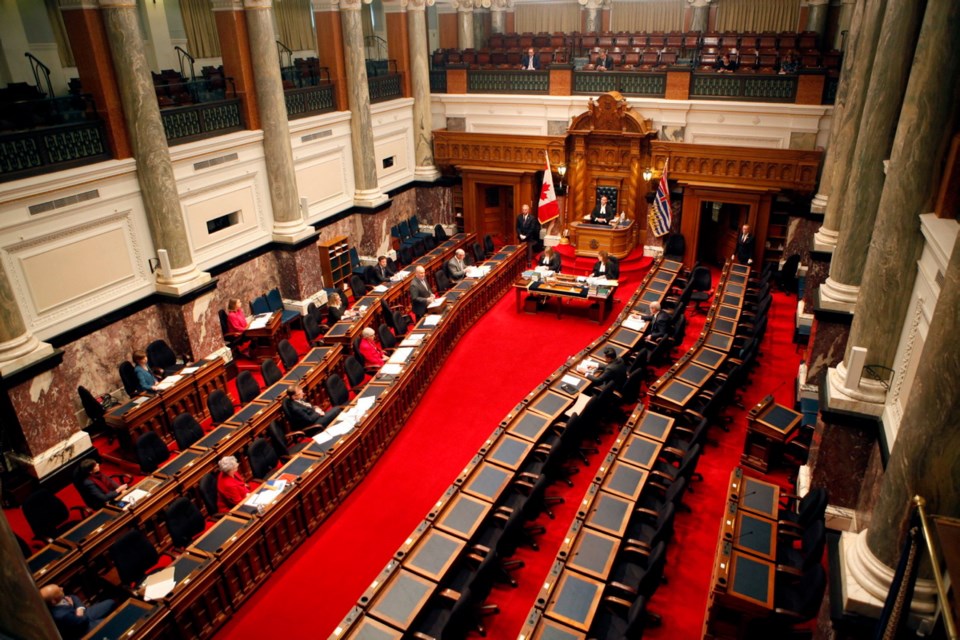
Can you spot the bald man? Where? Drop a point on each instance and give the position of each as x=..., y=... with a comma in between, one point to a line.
x=72, y=618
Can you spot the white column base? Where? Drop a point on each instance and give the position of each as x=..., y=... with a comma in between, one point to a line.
x=21, y=352
x=825, y=239
x=369, y=198
x=867, y=398
x=45, y=463
x=866, y=582
x=837, y=296
x=183, y=281
x=292, y=234
x=426, y=173
x=819, y=203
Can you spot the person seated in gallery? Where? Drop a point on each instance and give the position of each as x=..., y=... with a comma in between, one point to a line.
x=231, y=489
x=614, y=371
x=549, y=259
x=304, y=416
x=789, y=64
x=661, y=323
x=73, y=618
x=372, y=354
x=96, y=488
x=145, y=377
x=603, y=213
x=606, y=266
x=530, y=61
x=457, y=265
x=382, y=271
x=604, y=62
x=725, y=64
x=334, y=308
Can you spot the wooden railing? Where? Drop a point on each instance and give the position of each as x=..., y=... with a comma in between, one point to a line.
x=53, y=148
x=308, y=101
x=195, y=122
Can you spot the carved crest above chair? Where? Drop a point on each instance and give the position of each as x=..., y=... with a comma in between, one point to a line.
x=611, y=112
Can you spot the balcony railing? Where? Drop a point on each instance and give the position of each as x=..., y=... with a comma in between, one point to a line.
x=438, y=80
x=629, y=83
x=383, y=88
x=748, y=86
x=508, y=81
x=195, y=122
x=47, y=149
x=308, y=101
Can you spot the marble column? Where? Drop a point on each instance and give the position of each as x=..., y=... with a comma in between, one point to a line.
x=464, y=23
x=288, y=223
x=367, y=192
x=158, y=186
x=593, y=23
x=498, y=17
x=18, y=347
x=27, y=615
x=235, y=54
x=857, y=64
x=844, y=20
x=888, y=81
x=817, y=16
x=923, y=460
x=420, y=86
x=701, y=15
x=896, y=241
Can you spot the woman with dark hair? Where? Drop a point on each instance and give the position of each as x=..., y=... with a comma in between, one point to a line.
x=96, y=488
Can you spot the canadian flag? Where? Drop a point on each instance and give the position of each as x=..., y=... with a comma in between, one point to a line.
x=547, y=208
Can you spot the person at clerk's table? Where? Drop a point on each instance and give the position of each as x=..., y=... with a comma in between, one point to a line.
x=606, y=266
x=549, y=259
x=72, y=617
x=231, y=489
x=746, y=242
x=603, y=213
x=457, y=265
x=530, y=61
x=420, y=293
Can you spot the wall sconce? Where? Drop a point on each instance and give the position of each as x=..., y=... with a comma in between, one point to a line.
x=648, y=174
x=562, y=172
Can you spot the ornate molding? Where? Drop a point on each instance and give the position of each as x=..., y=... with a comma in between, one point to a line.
x=226, y=5
x=907, y=355
x=777, y=168
x=416, y=5
x=501, y=5
x=66, y=5
x=466, y=6
x=118, y=4
x=257, y=4
x=496, y=151
x=594, y=4
x=699, y=3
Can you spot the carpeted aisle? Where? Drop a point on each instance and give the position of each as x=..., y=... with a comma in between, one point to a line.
x=495, y=364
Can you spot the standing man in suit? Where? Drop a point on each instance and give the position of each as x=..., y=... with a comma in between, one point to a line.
x=746, y=243
x=603, y=212
x=420, y=293
x=606, y=266
x=530, y=61
x=457, y=265
x=528, y=229
x=550, y=259
x=604, y=62
x=382, y=271
x=72, y=618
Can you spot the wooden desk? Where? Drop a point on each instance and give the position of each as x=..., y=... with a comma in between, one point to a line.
x=124, y=621
x=608, y=512
x=625, y=480
x=433, y=554
x=550, y=404
x=593, y=553
x=654, y=425
x=573, y=600
x=487, y=481
x=264, y=340
x=564, y=289
x=537, y=627
x=769, y=427
x=590, y=238
x=401, y=598
x=462, y=515
x=509, y=451
x=640, y=451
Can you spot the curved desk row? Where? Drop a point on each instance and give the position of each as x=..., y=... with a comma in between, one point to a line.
x=231, y=559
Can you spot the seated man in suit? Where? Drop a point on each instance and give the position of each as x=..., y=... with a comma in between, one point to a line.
x=746, y=243
x=614, y=371
x=72, y=618
x=420, y=293
x=606, y=266
x=549, y=259
x=604, y=62
x=603, y=213
x=457, y=265
x=304, y=416
x=382, y=271
x=530, y=61
x=661, y=323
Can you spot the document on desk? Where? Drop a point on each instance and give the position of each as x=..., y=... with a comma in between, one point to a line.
x=437, y=303
x=379, y=289
x=587, y=366
x=140, y=400
x=391, y=369
x=401, y=355
x=131, y=498
x=169, y=381
x=340, y=428
x=570, y=380
x=432, y=320
x=188, y=370
x=260, y=321
x=578, y=405
x=159, y=584
x=477, y=272
x=399, y=275
x=413, y=340
x=634, y=322
x=262, y=497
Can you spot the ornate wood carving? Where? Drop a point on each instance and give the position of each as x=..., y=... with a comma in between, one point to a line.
x=723, y=165
x=452, y=148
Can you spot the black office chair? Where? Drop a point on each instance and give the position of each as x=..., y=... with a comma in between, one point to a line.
x=160, y=357
x=128, y=376
x=270, y=372
x=288, y=355
x=614, y=621
x=701, y=287
x=800, y=601
x=638, y=572
x=405, y=255
x=336, y=390
x=232, y=340
x=797, y=561
x=151, y=451
x=134, y=558
x=443, y=281
x=263, y=458
x=95, y=412
x=220, y=406
x=401, y=322
x=667, y=473
x=209, y=494
x=313, y=330
x=186, y=430
x=354, y=370
x=247, y=387
x=802, y=512
x=439, y=234
x=48, y=516
x=184, y=521
x=647, y=529
x=286, y=444
x=478, y=253
x=387, y=339
x=94, y=500
x=488, y=245
x=357, y=288
x=275, y=302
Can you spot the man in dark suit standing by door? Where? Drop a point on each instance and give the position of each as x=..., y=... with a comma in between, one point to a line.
x=528, y=229
x=746, y=243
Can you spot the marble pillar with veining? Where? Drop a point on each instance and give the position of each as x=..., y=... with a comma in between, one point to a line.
x=158, y=187
x=841, y=35
x=857, y=65
x=593, y=16
x=18, y=347
x=841, y=460
x=420, y=84
x=498, y=19
x=300, y=271
x=288, y=222
x=888, y=82
x=817, y=16
x=194, y=326
x=826, y=346
x=701, y=15
x=915, y=161
x=367, y=192
x=465, y=24
x=827, y=173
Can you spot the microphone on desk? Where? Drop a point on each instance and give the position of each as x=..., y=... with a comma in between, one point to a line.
x=744, y=535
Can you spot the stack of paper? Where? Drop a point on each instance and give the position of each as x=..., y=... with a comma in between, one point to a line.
x=634, y=322
x=401, y=354
x=260, y=321
x=140, y=400
x=400, y=275
x=437, y=302
x=578, y=406
x=132, y=497
x=432, y=320
x=159, y=584
x=169, y=381
x=570, y=380
x=391, y=369
x=188, y=370
x=587, y=366
x=262, y=497
x=379, y=288
x=413, y=340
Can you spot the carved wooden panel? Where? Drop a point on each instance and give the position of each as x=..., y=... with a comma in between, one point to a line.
x=715, y=164
x=457, y=149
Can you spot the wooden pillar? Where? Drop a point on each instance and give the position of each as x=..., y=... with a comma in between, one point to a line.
x=326, y=17
x=235, y=53
x=398, y=47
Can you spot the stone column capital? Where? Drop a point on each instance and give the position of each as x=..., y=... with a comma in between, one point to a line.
x=416, y=5
x=501, y=5
x=351, y=5
x=818, y=2
x=226, y=5
x=594, y=4
x=118, y=4
x=257, y=4
x=700, y=3
x=66, y=5
x=465, y=6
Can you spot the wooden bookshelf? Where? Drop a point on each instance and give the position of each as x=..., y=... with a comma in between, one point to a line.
x=335, y=262
x=776, y=236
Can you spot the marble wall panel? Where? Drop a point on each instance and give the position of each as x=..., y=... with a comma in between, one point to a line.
x=842, y=461
x=800, y=232
x=435, y=206
x=194, y=327
x=248, y=280
x=817, y=272
x=870, y=491
x=828, y=341
x=299, y=272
